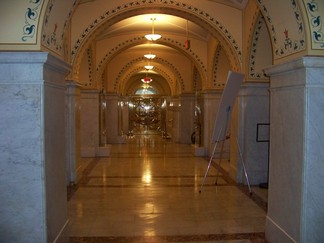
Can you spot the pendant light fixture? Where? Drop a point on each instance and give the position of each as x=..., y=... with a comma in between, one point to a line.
x=147, y=79
x=150, y=56
x=153, y=36
x=148, y=67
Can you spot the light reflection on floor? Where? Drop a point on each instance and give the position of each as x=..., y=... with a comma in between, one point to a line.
x=148, y=191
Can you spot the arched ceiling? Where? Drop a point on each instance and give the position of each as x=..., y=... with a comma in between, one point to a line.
x=168, y=57
x=164, y=24
x=118, y=44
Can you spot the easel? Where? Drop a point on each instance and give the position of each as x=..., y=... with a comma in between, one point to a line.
x=232, y=87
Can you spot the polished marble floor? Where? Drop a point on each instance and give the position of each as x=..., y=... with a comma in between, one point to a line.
x=148, y=191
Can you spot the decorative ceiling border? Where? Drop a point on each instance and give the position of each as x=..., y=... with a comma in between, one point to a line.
x=174, y=69
x=136, y=40
x=113, y=51
x=175, y=4
x=159, y=60
x=215, y=65
x=192, y=53
x=196, y=80
x=31, y=19
x=289, y=46
x=89, y=59
x=252, y=60
x=138, y=69
x=315, y=23
x=167, y=77
x=52, y=40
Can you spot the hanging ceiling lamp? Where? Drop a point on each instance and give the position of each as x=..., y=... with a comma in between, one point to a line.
x=153, y=36
x=147, y=80
x=148, y=67
x=150, y=56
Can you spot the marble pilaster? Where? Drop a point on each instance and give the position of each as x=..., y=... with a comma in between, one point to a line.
x=295, y=204
x=114, y=117
x=211, y=101
x=33, y=205
x=73, y=129
x=89, y=122
x=90, y=125
x=253, y=132
x=125, y=116
x=187, y=113
x=173, y=114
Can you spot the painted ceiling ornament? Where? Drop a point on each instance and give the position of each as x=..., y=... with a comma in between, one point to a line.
x=288, y=42
x=31, y=17
x=315, y=22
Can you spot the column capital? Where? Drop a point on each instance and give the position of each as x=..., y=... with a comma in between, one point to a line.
x=303, y=62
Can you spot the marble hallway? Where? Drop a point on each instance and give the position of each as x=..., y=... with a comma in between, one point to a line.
x=148, y=191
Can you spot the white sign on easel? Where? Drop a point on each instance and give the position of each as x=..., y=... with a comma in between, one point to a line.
x=232, y=87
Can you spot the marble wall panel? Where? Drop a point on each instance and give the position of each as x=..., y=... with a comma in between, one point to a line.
x=113, y=124
x=73, y=130
x=253, y=110
x=296, y=156
x=55, y=159
x=32, y=147
x=313, y=211
x=187, y=110
x=89, y=123
x=286, y=159
x=211, y=101
x=21, y=169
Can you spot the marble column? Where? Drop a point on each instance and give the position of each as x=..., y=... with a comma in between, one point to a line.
x=33, y=205
x=296, y=195
x=187, y=117
x=89, y=122
x=125, y=115
x=211, y=100
x=114, y=119
x=253, y=132
x=73, y=129
x=90, y=125
x=173, y=112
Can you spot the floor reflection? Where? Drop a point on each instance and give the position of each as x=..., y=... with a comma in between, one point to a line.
x=148, y=191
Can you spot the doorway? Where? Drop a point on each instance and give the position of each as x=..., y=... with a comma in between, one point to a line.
x=147, y=115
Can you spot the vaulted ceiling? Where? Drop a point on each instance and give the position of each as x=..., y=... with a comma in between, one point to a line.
x=174, y=65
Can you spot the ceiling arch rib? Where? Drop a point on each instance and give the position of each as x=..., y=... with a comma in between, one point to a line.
x=184, y=10
x=160, y=82
x=166, y=64
x=177, y=45
x=166, y=69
